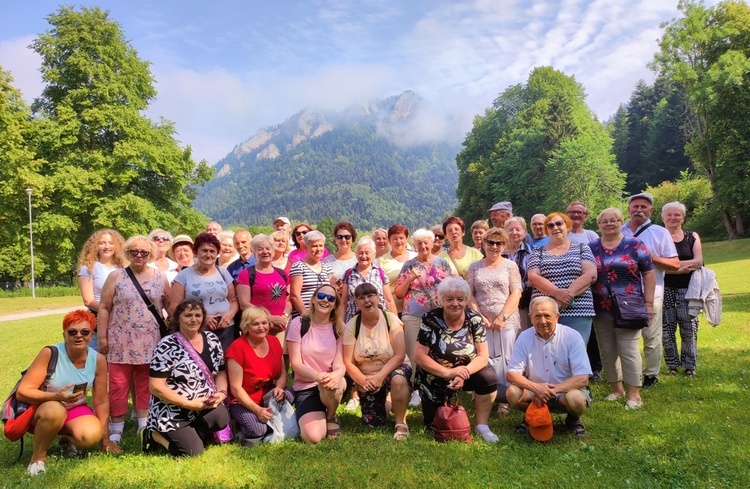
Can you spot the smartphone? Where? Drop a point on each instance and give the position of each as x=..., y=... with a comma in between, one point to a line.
x=80, y=387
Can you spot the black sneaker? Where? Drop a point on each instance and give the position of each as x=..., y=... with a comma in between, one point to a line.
x=595, y=377
x=650, y=381
x=246, y=441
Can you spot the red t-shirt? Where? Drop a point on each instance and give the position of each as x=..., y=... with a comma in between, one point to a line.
x=260, y=374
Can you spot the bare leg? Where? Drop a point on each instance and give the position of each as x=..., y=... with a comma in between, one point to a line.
x=483, y=406
x=49, y=419
x=399, y=398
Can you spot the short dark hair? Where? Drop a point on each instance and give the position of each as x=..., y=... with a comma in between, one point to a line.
x=398, y=229
x=365, y=289
x=174, y=320
x=206, y=238
x=454, y=220
x=348, y=226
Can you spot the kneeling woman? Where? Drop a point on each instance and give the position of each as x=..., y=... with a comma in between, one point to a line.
x=187, y=383
x=61, y=408
x=452, y=354
x=374, y=352
x=314, y=344
x=256, y=367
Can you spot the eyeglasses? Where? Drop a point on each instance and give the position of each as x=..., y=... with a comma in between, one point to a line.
x=135, y=253
x=300, y=233
x=160, y=239
x=346, y=237
x=609, y=221
x=322, y=295
x=491, y=243
x=439, y=236
x=576, y=213
x=76, y=332
x=556, y=224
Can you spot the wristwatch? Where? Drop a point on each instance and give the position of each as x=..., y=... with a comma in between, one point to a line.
x=504, y=316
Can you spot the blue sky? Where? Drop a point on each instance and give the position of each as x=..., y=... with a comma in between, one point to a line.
x=225, y=69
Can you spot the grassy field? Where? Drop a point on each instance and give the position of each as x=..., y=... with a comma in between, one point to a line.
x=17, y=305
x=690, y=433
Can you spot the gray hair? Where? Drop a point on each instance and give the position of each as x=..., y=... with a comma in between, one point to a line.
x=520, y=220
x=259, y=239
x=312, y=237
x=366, y=241
x=674, y=205
x=614, y=210
x=538, y=215
x=224, y=235
x=536, y=301
x=160, y=231
x=451, y=285
x=422, y=234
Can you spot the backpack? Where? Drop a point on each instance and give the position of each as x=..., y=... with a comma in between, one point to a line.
x=305, y=327
x=17, y=415
x=358, y=323
x=251, y=273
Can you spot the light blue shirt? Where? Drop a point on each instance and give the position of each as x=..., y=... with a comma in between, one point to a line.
x=66, y=373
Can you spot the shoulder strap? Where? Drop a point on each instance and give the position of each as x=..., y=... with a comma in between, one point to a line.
x=358, y=322
x=305, y=323
x=251, y=275
x=382, y=274
x=347, y=274
x=643, y=229
x=281, y=272
x=196, y=357
x=51, y=366
x=151, y=307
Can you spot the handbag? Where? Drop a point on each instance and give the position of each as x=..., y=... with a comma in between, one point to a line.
x=283, y=422
x=224, y=435
x=628, y=310
x=451, y=422
x=163, y=330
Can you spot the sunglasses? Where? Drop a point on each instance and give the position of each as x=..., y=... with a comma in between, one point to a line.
x=300, y=233
x=492, y=243
x=75, y=332
x=346, y=237
x=439, y=236
x=160, y=239
x=322, y=295
x=135, y=253
x=556, y=224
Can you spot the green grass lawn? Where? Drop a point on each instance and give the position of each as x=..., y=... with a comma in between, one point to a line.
x=690, y=433
x=17, y=305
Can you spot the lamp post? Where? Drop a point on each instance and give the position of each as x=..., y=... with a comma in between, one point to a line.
x=31, y=244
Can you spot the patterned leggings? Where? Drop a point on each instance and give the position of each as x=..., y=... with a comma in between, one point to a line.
x=676, y=312
x=248, y=422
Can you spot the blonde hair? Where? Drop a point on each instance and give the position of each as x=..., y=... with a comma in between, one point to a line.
x=251, y=314
x=337, y=314
x=90, y=252
x=281, y=234
x=139, y=237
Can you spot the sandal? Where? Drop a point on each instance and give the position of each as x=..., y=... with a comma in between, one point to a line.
x=401, y=435
x=69, y=450
x=575, y=426
x=333, y=431
x=672, y=371
x=502, y=409
x=690, y=373
x=522, y=428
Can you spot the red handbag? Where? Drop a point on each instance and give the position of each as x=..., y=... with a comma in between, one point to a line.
x=451, y=422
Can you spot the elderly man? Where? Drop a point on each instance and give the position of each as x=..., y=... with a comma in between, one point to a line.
x=549, y=367
x=246, y=259
x=537, y=230
x=214, y=228
x=578, y=213
x=282, y=223
x=664, y=255
x=499, y=213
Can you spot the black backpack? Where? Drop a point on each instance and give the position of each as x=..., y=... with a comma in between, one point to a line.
x=305, y=327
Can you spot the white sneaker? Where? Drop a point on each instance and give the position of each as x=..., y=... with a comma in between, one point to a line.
x=416, y=399
x=352, y=405
x=36, y=468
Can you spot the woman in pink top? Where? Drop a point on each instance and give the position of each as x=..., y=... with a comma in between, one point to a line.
x=315, y=352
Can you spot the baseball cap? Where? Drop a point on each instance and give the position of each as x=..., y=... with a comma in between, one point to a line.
x=283, y=219
x=642, y=195
x=502, y=206
x=540, y=422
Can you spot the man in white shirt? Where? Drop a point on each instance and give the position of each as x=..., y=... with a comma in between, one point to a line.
x=578, y=213
x=549, y=366
x=664, y=255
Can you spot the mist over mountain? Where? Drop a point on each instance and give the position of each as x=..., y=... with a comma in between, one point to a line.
x=373, y=165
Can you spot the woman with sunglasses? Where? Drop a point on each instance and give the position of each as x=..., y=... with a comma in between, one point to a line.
x=298, y=238
x=308, y=274
x=61, y=407
x=163, y=242
x=129, y=332
x=565, y=271
x=315, y=353
x=344, y=258
x=495, y=285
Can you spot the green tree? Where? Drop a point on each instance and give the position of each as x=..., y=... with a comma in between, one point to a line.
x=107, y=164
x=706, y=52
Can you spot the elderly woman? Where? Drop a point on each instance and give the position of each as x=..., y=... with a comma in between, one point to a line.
x=227, y=252
x=452, y=354
x=437, y=246
x=365, y=272
x=380, y=236
x=308, y=273
x=298, y=235
x=495, y=286
x=159, y=260
x=417, y=286
x=182, y=251
x=265, y=286
x=101, y=254
x=344, y=258
x=374, y=353
x=478, y=229
x=458, y=254
x=675, y=310
x=393, y=262
x=314, y=343
x=256, y=366
x=625, y=264
x=129, y=330
x=564, y=271
x=519, y=251
x=211, y=284
x=281, y=250
x=61, y=406
x=188, y=384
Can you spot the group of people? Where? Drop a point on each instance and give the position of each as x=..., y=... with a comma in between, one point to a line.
x=201, y=331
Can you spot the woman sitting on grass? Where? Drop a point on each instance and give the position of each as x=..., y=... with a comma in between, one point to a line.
x=62, y=407
x=374, y=353
x=314, y=344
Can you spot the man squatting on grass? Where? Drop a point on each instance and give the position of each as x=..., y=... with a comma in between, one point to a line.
x=549, y=366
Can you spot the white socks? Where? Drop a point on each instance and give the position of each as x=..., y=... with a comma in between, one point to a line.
x=142, y=424
x=486, y=433
x=115, y=431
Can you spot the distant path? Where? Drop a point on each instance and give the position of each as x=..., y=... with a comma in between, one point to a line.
x=35, y=314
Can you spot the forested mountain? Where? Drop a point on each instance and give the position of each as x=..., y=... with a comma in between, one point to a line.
x=370, y=165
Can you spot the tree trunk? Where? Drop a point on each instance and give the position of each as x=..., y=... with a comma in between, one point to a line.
x=728, y=225
x=740, y=224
